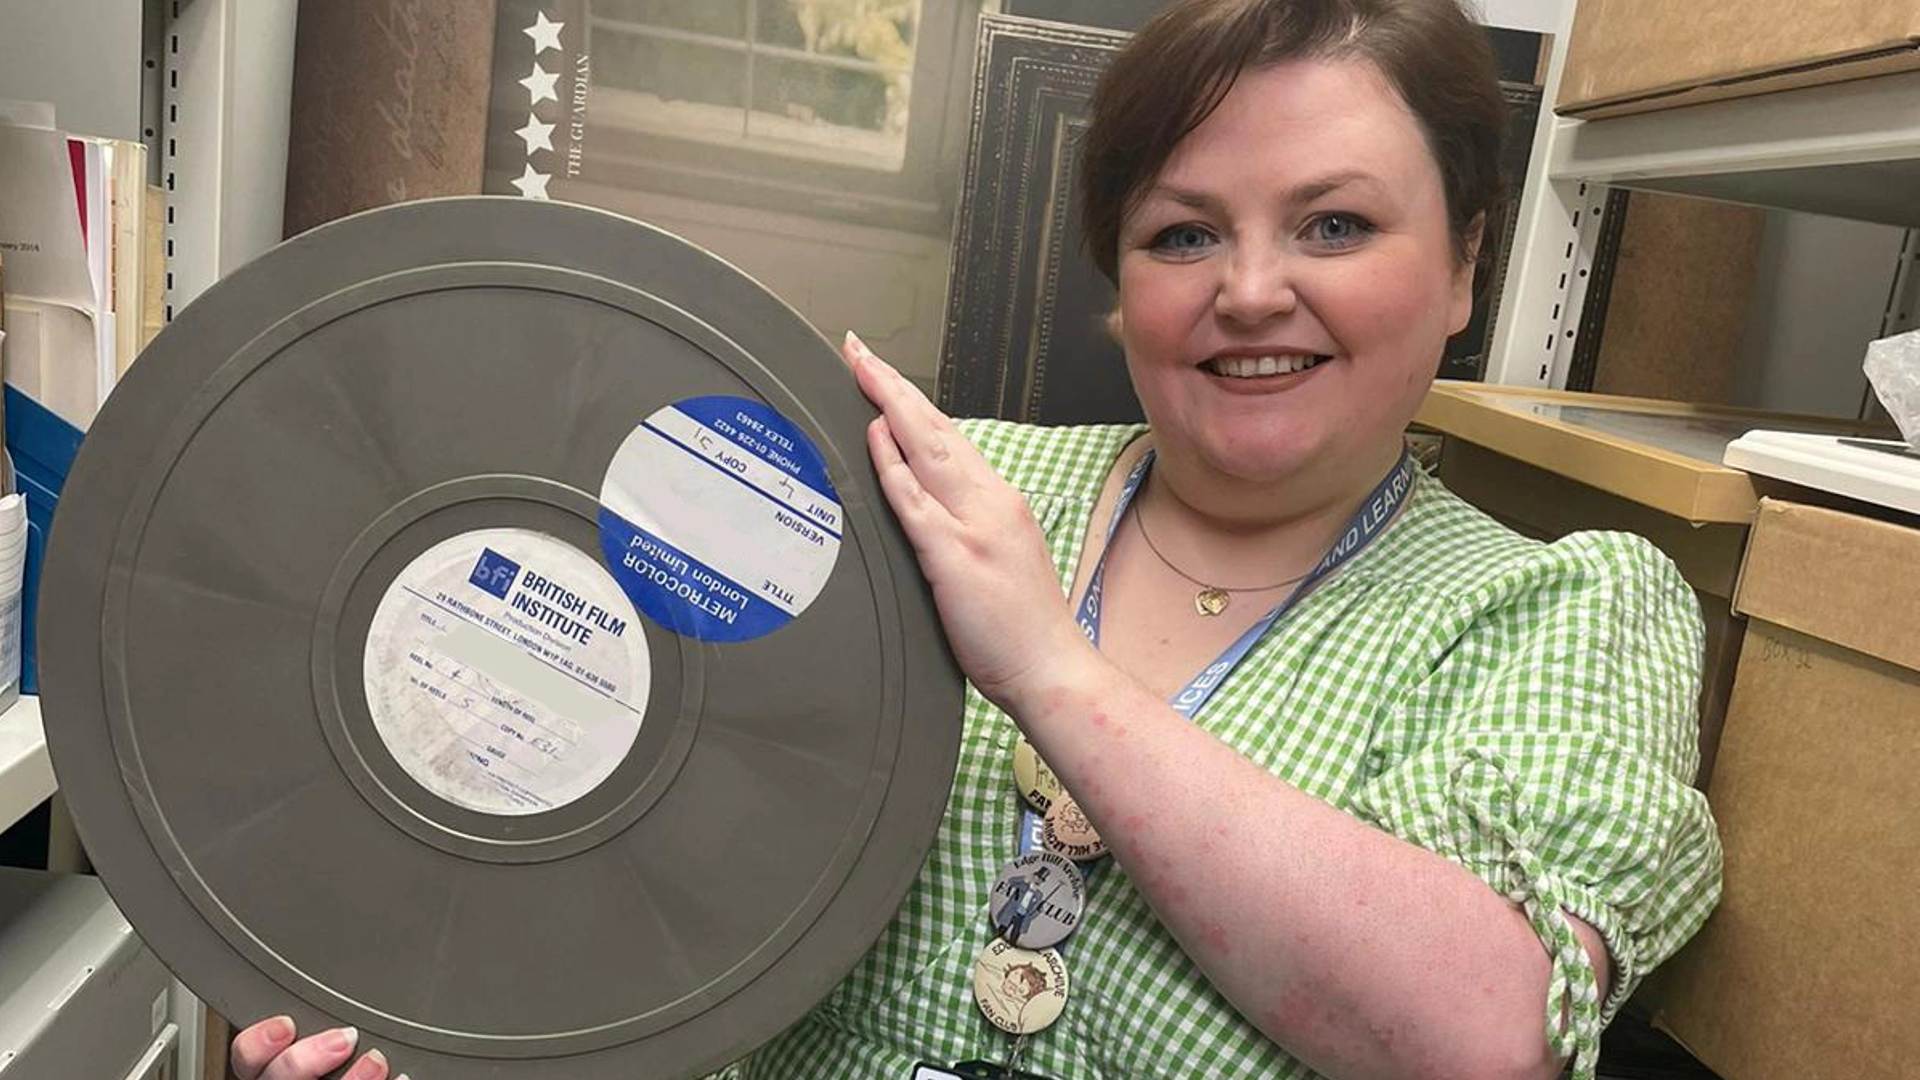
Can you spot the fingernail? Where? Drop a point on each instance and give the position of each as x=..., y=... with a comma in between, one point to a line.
x=369, y=1066
x=280, y=1029
x=858, y=345
x=341, y=1040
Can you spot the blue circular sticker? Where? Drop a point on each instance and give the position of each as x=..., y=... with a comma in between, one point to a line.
x=717, y=518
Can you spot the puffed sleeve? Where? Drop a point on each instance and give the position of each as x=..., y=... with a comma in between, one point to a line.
x=1551, y=751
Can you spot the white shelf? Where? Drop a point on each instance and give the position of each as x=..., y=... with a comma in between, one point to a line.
x=1848, y=149
x=1854, y=468
x=26, y=773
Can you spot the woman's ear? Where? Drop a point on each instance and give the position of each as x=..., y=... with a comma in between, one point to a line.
x=1476, y=233
x=1460, y=310
x=1113, y=325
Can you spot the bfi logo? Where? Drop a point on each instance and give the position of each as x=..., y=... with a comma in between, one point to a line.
x=495, y=572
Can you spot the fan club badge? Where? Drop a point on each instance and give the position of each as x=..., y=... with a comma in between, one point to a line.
x=1021, y=991
x=1037, y=900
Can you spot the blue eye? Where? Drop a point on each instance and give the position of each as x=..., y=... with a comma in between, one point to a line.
x=1186, y=239
x=1339, y=231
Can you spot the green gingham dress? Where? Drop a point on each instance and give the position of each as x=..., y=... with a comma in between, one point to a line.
x=1524, y=709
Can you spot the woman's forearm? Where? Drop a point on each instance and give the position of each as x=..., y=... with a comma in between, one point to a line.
x=1361, y=954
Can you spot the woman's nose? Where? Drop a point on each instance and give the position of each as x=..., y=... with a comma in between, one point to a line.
x=1256, y=285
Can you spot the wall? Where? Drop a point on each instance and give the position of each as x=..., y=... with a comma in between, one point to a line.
x=84, y=53
x=1821, y=291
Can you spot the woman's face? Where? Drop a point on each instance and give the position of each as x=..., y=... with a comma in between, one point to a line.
x=1288, y=284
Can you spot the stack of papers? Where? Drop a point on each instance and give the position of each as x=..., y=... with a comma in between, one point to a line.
x=72, y=231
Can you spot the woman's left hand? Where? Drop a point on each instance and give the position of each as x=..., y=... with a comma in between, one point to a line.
x=978, y=545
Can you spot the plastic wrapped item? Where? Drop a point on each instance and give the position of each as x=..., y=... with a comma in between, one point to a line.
x=1893, y=367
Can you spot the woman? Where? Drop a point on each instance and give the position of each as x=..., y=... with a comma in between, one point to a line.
x=1424, y=810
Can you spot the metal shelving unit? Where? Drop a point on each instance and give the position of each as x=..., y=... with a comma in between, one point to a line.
x=1558, y=229
x=221, y=73
x=1848, y=150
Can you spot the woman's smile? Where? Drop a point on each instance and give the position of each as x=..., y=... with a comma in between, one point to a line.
x=1261, y=371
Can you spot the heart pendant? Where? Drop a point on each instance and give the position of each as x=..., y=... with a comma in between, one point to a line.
x=1210, y=601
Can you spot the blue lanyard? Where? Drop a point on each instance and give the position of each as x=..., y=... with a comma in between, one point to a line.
x=1366, y=526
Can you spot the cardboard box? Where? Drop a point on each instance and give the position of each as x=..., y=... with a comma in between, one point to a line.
x=1628, y=56
x=1808, y=967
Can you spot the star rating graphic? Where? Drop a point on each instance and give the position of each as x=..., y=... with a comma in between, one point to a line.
x=532, y=183
x=538, y=136
x=544, y=32
x=540, y=85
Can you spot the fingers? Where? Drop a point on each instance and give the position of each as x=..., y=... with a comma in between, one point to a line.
x=266, y=1051
x=879, y=380
x=933, y=448
x=256, y=1047
x=314, y=1056
x=909, y=499
x=891, y=392
x=371, y=1066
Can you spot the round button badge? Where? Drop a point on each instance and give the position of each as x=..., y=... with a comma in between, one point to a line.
x=1037, y=900
x=1021, y=991
x=1037, y=783
x=1069, y=833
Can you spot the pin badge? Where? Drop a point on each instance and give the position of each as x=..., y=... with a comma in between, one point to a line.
x=1037, y=783
x=1021, y=991
x=1037, y=900
x=1069, y=833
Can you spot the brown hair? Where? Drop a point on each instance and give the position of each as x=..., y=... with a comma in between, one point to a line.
x=1035, y=979
x=1179, y=67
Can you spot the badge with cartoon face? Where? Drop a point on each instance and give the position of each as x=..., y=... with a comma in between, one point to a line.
x=1021, y=991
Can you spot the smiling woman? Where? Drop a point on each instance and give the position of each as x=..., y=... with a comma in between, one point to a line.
x=1397, y=792
x=1419, y=806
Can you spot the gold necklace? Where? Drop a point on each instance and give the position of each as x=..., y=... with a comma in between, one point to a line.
x=1211, y=600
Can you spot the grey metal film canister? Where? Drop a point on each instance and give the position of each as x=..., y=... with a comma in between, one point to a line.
x=350, y=511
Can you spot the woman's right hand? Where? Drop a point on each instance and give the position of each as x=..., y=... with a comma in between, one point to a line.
x=267, y=1051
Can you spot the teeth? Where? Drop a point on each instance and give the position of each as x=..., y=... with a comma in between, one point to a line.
x=1250, y=367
